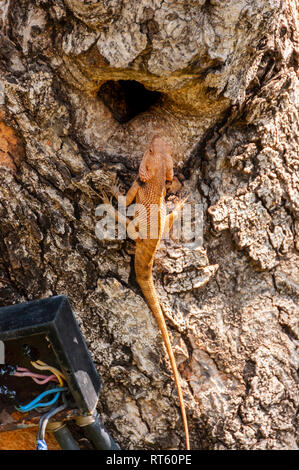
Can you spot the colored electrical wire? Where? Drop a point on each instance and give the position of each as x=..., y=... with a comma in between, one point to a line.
x=46, y=380
x=43, y=422
x=39, y=381
x=48, y=403
x=35, y=403
x=32, y=405
x=43, y=366
x=57, y=371
x=38, y=378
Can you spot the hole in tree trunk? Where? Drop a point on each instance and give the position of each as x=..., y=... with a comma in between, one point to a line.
x=126, y=98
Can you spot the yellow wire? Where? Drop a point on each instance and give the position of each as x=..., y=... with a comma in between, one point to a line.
x=52, y=367
x=43, y=366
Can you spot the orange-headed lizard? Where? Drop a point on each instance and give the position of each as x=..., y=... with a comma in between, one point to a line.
x=147, y=228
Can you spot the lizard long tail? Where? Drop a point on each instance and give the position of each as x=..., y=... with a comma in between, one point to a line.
x=149, y=292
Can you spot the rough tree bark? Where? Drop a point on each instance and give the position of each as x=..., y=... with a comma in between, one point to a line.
x=83, y=87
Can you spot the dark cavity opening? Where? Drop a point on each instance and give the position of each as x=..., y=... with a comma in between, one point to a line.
x=127, y=98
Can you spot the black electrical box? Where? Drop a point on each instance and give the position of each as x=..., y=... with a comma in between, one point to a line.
x=48, y=326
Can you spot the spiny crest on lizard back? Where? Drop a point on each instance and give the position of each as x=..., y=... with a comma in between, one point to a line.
x=157, y=161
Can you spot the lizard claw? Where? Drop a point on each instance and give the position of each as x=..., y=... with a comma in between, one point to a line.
x=115, y=188
x=181, y=204
x=104, y=197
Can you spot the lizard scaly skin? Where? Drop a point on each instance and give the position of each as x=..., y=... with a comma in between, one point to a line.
x=149, y=192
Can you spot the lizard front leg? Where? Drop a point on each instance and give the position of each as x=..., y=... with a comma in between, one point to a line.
x=118, y=216
x=132, y=226
x=129, y=197
x=172, y=217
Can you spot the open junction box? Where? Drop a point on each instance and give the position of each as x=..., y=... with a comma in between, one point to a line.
x=45, y=332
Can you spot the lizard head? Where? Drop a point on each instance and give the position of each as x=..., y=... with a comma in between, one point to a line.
x=157, y=160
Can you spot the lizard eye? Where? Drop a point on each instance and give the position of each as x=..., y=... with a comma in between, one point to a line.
x=150, y=150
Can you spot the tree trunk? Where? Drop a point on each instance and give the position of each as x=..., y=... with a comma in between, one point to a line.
x=83, y=88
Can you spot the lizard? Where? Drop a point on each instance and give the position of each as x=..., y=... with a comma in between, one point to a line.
x=149, y=190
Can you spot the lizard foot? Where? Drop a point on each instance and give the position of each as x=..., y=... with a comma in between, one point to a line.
x=105, y=198
x=179, y=206
x=115, y=188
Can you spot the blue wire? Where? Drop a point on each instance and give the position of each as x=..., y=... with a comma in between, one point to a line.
x=48, y=403
x=35, y=403
x=41, y=445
